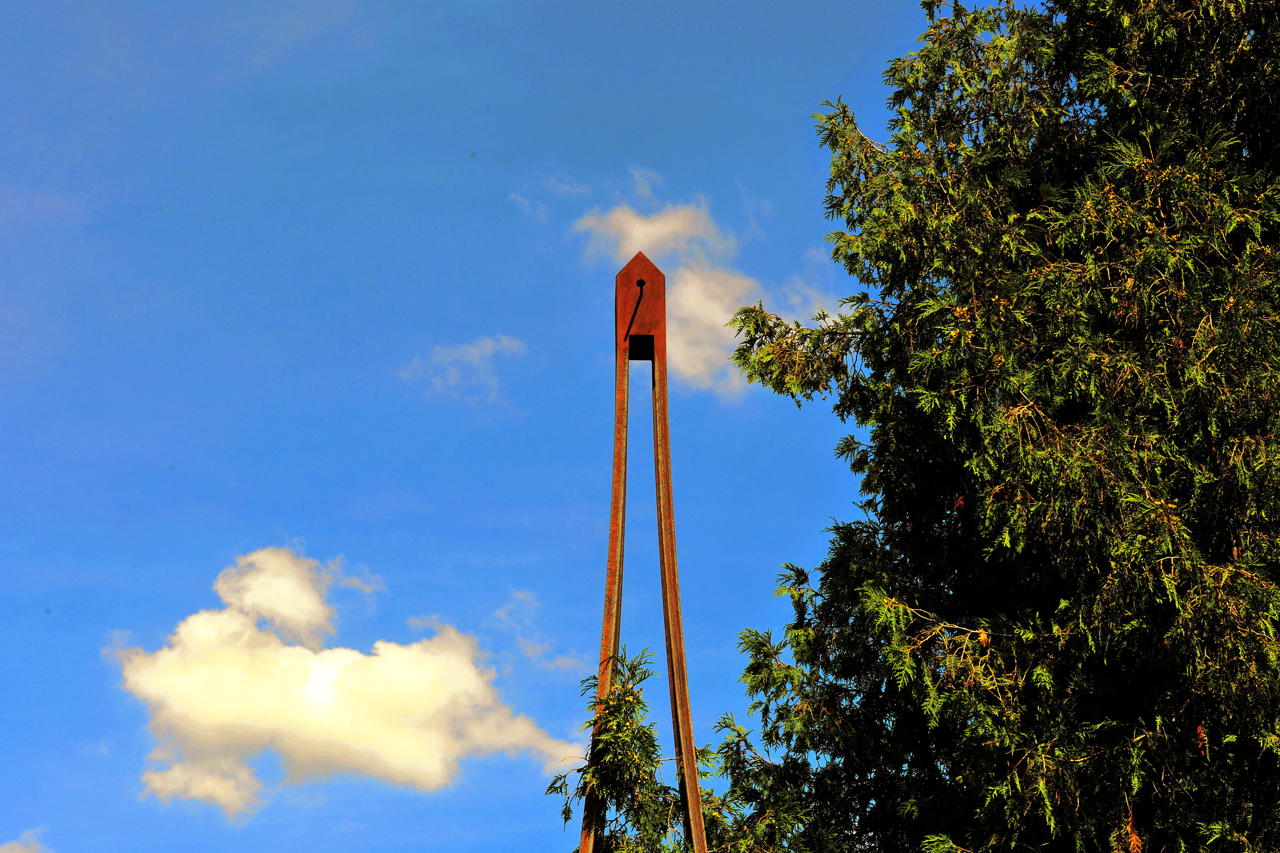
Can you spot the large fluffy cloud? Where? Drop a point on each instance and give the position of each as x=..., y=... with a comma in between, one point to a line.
x=230, y=684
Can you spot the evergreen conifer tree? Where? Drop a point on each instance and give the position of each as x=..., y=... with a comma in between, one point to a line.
x=1055, y=626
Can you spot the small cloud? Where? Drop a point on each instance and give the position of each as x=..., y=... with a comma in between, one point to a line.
x=28, y=842
x=464, y=372
x=229, y=685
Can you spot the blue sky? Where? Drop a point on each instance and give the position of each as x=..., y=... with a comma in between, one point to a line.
x=311, y=301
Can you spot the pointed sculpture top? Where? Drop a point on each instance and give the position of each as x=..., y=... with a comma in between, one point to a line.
x=640, y=308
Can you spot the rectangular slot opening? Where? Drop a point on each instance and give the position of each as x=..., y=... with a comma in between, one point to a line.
x=640, y=347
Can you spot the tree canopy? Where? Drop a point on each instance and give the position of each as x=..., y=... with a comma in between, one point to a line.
x=1053, y=625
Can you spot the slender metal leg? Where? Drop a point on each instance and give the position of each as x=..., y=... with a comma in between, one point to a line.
x=681, y=711
x=592, y=810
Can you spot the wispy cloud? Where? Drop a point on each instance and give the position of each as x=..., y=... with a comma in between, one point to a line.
x=26, y=205
x=466, y=372
x=703, y=290
x=643, y=181
x=229, y=684
x=565, y=185
x=367, y=583
x=28, y=842
x=531, y=208
x=519, y=615
x=28, y=337
x=272, y=32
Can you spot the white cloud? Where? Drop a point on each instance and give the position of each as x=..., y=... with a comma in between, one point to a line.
x=703, y=291
x=28, y=842
x=683, y=231
x=283, y=588
x=700, y=300
x=465, y=372
x=228, y=685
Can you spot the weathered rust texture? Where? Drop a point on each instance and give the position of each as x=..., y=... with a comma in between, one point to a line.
x=641, y=335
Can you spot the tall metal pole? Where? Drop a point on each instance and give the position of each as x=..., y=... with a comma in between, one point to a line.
x=640, y=318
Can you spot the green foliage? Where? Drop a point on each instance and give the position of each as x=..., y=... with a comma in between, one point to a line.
x=1055, y=626
x=641, y=813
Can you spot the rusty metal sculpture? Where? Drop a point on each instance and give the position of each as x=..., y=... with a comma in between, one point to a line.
x=640, y=308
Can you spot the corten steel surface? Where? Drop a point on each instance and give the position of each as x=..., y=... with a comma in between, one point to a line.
x=640, y=308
